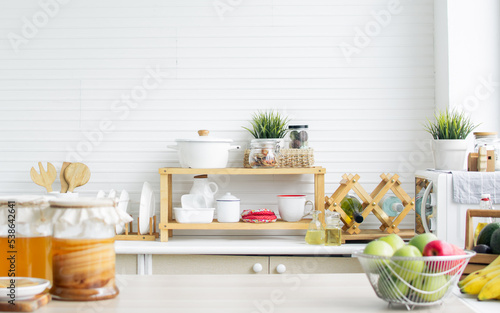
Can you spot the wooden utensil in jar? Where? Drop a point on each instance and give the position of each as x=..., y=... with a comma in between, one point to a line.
x=45, y=178
x=64, y=183
x=76, y=174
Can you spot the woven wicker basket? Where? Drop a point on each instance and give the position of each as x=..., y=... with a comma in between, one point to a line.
x=288, y=158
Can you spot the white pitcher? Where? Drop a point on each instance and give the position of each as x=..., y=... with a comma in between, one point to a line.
x=203, y=187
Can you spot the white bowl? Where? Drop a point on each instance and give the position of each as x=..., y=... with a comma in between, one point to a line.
x=25, y=292
x=194, y=215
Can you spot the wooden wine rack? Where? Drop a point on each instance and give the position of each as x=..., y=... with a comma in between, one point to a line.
x=370, y=205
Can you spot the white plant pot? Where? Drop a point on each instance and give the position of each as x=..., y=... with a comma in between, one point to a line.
x=449, y=154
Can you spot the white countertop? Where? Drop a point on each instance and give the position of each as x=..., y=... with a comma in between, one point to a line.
x=251, y=293
x=243, y=245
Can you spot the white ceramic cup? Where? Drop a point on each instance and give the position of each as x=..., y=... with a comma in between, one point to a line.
x=292, y=208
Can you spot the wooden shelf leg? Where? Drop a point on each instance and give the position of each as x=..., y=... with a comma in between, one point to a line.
x=165, y=204
x=319, y=195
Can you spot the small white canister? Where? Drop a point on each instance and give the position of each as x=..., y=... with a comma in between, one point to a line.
x=228, y=209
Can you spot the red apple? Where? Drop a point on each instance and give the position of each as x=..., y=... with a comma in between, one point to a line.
x=442, y=248
x=457, y=250
x=438, y=248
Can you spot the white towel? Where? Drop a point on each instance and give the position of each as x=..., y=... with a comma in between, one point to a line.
x=468, y=186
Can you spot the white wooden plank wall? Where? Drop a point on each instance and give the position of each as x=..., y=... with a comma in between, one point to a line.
x=216, y=69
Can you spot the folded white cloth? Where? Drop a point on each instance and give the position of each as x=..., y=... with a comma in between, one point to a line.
x=468, y=186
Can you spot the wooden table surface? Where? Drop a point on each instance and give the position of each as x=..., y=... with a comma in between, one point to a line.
x=317, y=293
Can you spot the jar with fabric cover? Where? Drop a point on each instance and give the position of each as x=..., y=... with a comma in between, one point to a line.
x=263, y=153
x=25, y=237
x=83, y=248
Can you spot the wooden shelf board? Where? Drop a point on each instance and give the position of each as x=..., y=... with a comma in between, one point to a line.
x=136, y=237
x=303, y=224
x=482, y=258
x=370, y=234
x=243, y=171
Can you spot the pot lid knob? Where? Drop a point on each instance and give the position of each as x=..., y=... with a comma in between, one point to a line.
x=203, y=132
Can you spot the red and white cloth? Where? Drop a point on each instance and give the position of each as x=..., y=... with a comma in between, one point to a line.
x=258, y=216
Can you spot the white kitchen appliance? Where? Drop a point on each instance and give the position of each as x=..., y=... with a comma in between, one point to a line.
x=443, y=217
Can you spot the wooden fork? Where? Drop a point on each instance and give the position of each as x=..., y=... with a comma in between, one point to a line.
x=45, y=178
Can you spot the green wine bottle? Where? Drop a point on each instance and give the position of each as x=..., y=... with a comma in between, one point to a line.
x=352, y=207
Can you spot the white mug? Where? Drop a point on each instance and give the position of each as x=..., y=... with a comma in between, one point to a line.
x=292, y=207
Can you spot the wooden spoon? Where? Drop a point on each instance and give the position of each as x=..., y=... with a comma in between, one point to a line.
x=64, y=183
x=76, y=174
x=45, y=178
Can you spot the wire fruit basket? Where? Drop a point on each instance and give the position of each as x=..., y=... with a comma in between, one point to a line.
x=413, y=281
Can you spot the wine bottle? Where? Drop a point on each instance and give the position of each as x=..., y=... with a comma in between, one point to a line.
x=391, y=205
x=484, y=204
x=352, y=207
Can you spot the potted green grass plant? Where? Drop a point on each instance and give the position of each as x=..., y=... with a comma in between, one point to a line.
x=449, y=129
x=269, y=129
x=268, y=124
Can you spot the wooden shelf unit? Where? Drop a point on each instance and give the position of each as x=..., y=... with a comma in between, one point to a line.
x=167, y=224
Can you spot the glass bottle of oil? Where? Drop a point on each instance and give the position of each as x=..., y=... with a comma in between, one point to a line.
x=315, y=233
x=333, y=230
x=484, y=204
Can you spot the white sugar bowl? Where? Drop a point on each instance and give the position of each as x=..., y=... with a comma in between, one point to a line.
x=228, y=209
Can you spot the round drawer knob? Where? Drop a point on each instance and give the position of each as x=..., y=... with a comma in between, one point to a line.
x=257, y=267
x=281, y=268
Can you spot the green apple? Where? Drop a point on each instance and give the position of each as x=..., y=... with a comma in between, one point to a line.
x=421, y=240
x=380, y=248
x=408, y=269
x=435, y=285
x=394, y=240
x=392, y=288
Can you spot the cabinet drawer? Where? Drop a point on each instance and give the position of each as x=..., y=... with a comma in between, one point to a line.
x=208, y=264
x=314, y=265
x=126, y=264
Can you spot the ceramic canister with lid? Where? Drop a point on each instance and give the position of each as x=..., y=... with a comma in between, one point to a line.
x=228, y=209
x=26, y=231
x=83, y=248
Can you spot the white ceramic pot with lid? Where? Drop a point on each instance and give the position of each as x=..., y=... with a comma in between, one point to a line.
x=228, y=209
x=203, y=151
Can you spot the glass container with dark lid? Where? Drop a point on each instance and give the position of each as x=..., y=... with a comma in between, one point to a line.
x=299, y=138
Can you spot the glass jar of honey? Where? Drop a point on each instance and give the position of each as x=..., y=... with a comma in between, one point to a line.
x=83, y=250
x=25, y=237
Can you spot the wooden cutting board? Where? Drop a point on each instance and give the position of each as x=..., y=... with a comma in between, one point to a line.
x=28, y=305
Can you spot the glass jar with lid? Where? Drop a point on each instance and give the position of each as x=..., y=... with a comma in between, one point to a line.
x=25, y=237
x=491, y=142
x=263, y=153
x=299, y=138
x=487, y=139
x=83, y=248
